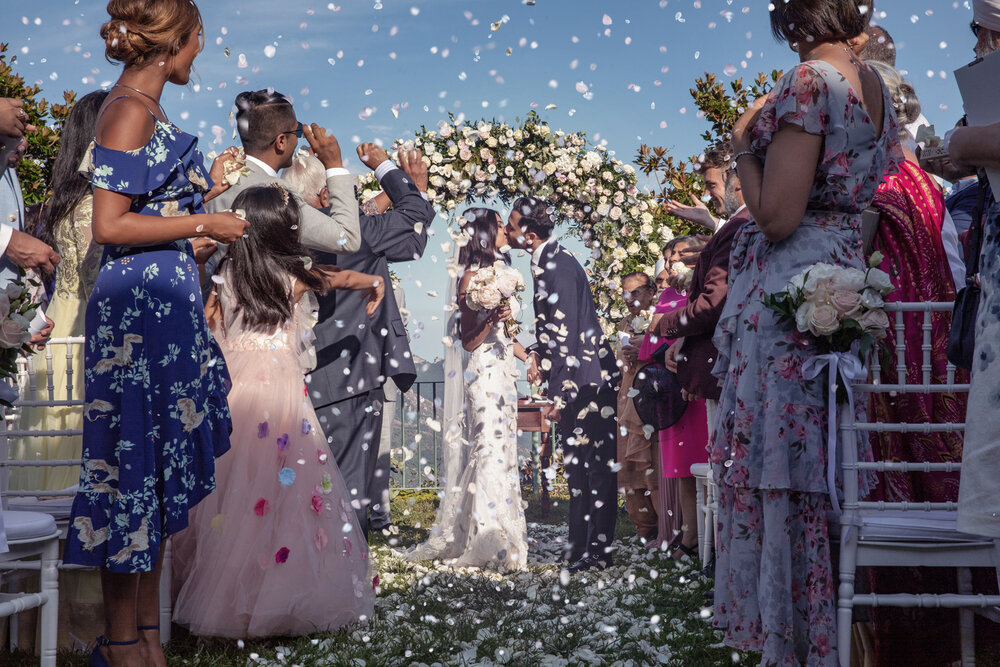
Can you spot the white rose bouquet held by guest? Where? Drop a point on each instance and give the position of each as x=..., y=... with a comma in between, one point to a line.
x=493, y=287
x=842, y=307
x=17, y=310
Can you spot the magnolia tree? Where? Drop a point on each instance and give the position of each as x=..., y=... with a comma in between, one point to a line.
x=35, y=168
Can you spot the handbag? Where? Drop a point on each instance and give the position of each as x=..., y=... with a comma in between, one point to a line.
x=962, y=336
x=658, y=399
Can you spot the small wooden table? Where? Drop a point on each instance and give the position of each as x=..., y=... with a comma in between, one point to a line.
x=530, y=419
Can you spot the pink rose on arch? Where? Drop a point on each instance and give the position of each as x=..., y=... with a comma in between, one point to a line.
x=281, y=556
x=316, y=503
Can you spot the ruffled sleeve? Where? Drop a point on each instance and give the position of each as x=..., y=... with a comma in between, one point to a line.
x=801, y=97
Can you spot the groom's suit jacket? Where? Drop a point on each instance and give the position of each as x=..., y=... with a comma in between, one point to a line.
x=570, y=342
x=338, y=231
x=355, y=353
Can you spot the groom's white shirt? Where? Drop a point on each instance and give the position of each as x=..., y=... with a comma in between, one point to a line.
x=536, y=254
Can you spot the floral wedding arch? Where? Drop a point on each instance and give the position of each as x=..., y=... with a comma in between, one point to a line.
x=593, y=192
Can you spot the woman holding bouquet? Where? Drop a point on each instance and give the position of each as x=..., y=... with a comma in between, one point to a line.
x=810, y=157
x=480, y=521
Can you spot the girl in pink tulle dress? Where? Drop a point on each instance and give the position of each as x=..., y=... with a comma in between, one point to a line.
x=276, y=549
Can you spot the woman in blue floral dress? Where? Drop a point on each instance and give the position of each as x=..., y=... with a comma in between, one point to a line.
x=155, y=416
x=810, y=158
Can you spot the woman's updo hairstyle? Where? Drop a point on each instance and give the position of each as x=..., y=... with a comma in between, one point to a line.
x=139, y=31
x=795, y=21
x=904, y=97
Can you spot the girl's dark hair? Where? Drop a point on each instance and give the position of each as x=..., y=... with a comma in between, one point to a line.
x=819, y=20
x=68, y=186
x=261, y=262
x=481, y=225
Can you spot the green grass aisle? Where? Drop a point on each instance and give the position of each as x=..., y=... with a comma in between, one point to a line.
x=647, y=610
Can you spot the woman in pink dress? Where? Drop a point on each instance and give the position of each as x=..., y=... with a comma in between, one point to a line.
x=276, y=549
x=683, y=444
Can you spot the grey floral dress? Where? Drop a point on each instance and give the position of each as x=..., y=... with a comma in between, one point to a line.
x=155, y=416
x=774, y=589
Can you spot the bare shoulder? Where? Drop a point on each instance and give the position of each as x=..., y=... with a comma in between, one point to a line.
x=126, y=124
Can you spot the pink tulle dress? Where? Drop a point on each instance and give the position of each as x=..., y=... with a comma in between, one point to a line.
x=276, y=549
x=685, y=443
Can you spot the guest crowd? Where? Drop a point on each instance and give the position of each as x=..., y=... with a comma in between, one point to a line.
x=207, y=295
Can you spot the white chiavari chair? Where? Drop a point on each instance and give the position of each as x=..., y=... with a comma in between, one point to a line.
x=907, y=534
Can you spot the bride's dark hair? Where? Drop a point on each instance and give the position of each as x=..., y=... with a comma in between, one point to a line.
x=261, y=261
x=481, y=225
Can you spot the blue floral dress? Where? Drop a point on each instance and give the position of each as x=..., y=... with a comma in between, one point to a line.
x=156, y=415
x=774, y=589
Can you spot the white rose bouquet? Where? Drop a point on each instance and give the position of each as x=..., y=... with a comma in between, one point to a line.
x=493, y=287
x=17, y=310
x=839, y=306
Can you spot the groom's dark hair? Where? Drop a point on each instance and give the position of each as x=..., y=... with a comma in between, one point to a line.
x=261, y=116
x=537, y=216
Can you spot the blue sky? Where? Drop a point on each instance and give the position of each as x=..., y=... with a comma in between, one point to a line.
x=349, y=64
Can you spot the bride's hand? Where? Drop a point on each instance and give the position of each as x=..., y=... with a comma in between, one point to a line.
x=502, y=314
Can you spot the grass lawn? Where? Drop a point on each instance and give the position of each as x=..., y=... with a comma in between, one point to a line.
x=647, y=610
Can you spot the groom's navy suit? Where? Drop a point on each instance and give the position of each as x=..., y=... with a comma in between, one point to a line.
x=581, y=371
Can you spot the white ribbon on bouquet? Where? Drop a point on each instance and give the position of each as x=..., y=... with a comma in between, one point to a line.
x=848, y=368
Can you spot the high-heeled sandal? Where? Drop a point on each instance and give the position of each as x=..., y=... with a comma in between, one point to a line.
x=147, y=627
x=97, y=658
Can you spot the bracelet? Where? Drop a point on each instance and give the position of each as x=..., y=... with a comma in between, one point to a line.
x=741, y=154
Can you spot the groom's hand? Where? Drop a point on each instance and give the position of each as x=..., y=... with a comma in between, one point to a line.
x=552, y=413
x=534, y=374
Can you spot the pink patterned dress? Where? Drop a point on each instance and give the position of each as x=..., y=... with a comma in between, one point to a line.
x=774, y=586
x=276, y=550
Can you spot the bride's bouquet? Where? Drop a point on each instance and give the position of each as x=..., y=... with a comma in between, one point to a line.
x=843, y=308
x=493, y=287
x=17, y=310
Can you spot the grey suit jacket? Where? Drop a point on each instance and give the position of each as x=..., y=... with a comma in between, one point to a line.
x=339, y=232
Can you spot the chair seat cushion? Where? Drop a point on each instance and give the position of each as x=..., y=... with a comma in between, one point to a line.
x=26, y=526
x=58, y=507
x=913, y=526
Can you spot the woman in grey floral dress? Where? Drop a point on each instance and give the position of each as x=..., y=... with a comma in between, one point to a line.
x=810, y=158
x=155, y=416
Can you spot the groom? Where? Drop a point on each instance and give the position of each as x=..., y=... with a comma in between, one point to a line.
x=573, y=354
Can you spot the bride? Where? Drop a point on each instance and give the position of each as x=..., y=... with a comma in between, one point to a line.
x=480, y=522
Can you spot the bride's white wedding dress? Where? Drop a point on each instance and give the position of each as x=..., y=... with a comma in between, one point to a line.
x=480, y=522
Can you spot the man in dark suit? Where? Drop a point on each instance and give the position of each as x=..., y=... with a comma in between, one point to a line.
x=574, y=356
x=693, y=358
x=357, y=354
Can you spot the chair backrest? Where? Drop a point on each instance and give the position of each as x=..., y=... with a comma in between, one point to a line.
x=924, y=315
x=41, y=388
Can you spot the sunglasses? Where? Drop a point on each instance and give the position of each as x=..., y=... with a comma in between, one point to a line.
x=297, y=132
